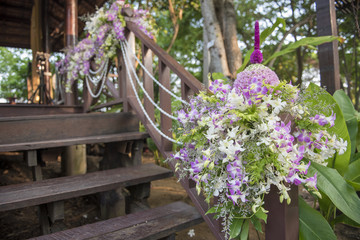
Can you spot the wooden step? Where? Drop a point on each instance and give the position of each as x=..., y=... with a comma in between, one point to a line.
x=117, y=137
x=50, y=190
x=35, y=132
x=149, y=224
x=19, y=109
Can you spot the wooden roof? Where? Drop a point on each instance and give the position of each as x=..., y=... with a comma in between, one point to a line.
x=15, y=21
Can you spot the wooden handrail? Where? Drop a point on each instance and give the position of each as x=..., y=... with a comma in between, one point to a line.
x=163, y=56
x=189, y=86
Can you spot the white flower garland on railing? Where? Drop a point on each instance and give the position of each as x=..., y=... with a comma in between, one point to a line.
x=141, y=85
x=139, y=101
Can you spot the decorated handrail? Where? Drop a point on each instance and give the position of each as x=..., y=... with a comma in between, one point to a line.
x=189, y=86
x=282, y=219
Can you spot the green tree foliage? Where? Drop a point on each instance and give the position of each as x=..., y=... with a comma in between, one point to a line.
x=348, y=53
x=13, y=72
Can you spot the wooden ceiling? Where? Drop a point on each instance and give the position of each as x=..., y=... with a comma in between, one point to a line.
x=15, y=21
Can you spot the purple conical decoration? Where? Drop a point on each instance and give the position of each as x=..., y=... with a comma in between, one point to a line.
x=256, y=56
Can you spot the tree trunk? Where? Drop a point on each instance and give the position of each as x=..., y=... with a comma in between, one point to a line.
x=233, y=53
x=216, y=46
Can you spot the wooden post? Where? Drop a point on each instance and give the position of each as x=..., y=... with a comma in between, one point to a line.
x=71, y=29
x=328, y=52
x=186, y=91
x=124, y=81
x=148, y=82
x=283, y=219
x=165, y=104
x=47, y=92
x=31, y=158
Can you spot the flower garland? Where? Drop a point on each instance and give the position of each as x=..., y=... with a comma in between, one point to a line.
x=241, y=139
x=104, y=30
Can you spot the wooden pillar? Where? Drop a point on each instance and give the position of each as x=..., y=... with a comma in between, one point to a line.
x=74, y=160
x=47, y=95
x=126, y=89
x=283, y=219
x=148, y=82
x=165, y=104
x=71, y=30
x=328, y=52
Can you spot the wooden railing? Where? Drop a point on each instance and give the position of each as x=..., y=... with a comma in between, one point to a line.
x=189, y=86
x=282, y=218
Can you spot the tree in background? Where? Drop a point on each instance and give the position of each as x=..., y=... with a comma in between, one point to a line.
x=214, y=35
x=220, y=37
x=14, y=70
x=348, y=23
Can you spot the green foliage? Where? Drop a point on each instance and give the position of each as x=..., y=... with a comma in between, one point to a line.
x=345, y=220
x=352, y=175
x=349, y=112
x=235, y=228
x=312, y=225
x=340, y=162
x=308, y=41
x=341, y=194
x=13, y=72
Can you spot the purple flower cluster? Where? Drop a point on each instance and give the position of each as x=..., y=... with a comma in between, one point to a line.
x=323, y=120
x=236, y=182
x=258, y=71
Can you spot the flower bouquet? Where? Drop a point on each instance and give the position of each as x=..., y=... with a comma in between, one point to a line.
x=105, y=29
x=240, y=139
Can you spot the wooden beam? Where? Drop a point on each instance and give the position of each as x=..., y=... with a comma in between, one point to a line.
x=71, y=31
x=328, y=52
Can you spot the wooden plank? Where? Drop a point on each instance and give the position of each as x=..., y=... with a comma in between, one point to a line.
x=112, y=89
x=283, y=219
x=55, y=189
x=72, y=141
x=57, y=127
x=165, y=104
x=328, y=52
x=108, y=104
x=174, y=66
x=148, y=82
x=149, y=224
x=13, y=110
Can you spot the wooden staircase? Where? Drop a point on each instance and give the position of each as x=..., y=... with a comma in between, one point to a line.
x=45, y=128
x=79, y=128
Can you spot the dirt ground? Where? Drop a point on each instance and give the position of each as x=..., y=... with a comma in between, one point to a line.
x=23, y=223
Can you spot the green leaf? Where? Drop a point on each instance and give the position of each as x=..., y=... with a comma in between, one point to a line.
x=261, y=214
x=312, y=225
x=349, y=113
x=352, y=175
x=268, y=31
x=343, y=196
x=345, y=220
x=312, y=41
x=245, y=230
x=257, y=224
x=235, y=227
x=246, y=60
x=340, y=162
x=213, y=210
x=358, y=137
x=219, y=75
